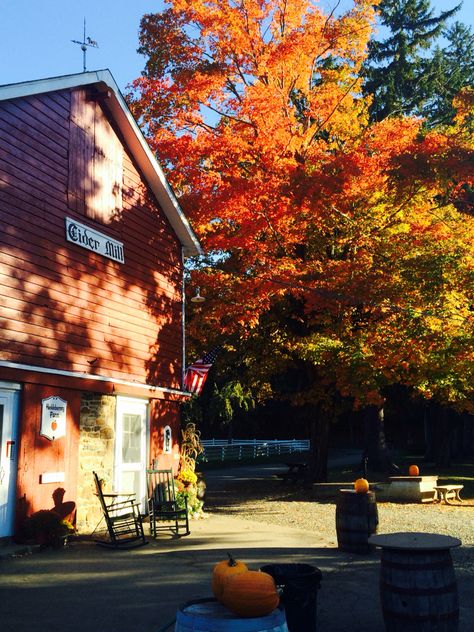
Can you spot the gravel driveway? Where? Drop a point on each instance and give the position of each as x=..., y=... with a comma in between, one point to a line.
x=257, y=494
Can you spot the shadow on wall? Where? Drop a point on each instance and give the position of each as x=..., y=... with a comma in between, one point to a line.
x=46, y=526
x=137, y=304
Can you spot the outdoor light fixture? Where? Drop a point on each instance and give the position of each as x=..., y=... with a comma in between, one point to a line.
x=198, y=298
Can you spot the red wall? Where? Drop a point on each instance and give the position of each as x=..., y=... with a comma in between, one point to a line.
x=65, y=307
x=38, y=455
x=164, y=414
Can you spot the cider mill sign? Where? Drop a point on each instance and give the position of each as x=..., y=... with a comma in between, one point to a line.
x=91, y=239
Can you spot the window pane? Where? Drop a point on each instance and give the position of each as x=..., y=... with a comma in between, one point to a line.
x=131, y=438
x=1, y=424
x=130, y=483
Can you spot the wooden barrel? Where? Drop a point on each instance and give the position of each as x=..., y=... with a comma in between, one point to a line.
x=356, y=519
x=418, y=591
x=208, y=615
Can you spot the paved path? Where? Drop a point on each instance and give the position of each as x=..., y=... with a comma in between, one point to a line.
x=85, y=588
x=218, y=477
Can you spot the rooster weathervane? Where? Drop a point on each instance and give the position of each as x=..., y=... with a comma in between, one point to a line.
x=86, y=42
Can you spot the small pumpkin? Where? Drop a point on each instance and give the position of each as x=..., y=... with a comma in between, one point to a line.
x=361, y=486
x=222, y=570
x=414, y=470
x=250, y=594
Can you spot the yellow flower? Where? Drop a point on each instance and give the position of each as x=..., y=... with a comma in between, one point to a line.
x=187, y=476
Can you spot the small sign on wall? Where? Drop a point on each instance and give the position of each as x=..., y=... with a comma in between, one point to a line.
x=53, y=418
x=52, y=477
x=91, y=239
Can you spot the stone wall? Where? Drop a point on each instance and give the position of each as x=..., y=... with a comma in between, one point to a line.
x=96, y=453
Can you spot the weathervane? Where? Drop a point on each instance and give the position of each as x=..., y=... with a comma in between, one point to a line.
x=86, y=41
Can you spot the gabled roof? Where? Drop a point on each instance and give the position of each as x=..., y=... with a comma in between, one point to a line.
x=132, y=134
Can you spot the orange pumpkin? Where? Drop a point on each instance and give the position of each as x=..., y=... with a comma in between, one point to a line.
x=222, y=570
x=414, y=470
x=361, y=486
x=250, y=594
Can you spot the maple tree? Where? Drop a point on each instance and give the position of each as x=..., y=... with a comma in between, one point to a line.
x=353, y=231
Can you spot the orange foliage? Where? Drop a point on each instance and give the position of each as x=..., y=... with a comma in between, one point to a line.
x=255, y=110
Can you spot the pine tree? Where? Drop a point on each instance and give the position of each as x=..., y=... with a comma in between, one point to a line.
x=454, y=67
x=397, y=74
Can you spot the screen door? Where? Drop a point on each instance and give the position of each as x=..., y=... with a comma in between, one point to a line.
x=131, y=446
x=8, y=457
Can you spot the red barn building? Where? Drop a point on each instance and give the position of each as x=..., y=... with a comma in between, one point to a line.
x=92, y=244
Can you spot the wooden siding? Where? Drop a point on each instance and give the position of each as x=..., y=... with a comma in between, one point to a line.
x=38, y=455
x=95, y=160
x=164, y=414
x=64, y=307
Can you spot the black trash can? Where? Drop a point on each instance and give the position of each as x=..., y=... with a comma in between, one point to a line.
x=299, y=584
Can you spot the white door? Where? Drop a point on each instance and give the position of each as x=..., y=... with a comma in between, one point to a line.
x=9, y=395
x=131, y=446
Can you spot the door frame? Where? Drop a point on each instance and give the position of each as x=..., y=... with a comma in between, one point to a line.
x=11, y=392
x=124, y=405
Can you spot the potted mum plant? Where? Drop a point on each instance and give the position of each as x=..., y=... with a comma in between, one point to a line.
x=47, y=528
x=190, y=484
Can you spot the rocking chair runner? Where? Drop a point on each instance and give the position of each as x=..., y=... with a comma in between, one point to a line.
x=163, y=506
x=122, y=518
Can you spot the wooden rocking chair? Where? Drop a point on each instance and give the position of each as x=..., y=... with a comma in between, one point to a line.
x=163, y=506
x=122, y=518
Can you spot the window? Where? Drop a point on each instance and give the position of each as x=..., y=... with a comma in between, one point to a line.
x=95, y=160
x=167, y=443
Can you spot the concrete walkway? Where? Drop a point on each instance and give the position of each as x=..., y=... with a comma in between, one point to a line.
x=86, y=588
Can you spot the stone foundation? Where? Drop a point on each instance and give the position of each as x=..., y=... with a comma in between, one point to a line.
x=96, y=453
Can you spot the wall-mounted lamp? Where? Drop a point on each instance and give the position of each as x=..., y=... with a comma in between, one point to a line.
x=198, y=298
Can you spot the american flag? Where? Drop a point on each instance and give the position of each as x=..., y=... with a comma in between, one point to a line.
x=196, y=374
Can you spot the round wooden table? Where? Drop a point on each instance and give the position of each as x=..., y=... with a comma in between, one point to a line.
x=418, y=589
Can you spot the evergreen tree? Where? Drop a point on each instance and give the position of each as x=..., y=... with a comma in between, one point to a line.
x=397, y=74
x=454, y=67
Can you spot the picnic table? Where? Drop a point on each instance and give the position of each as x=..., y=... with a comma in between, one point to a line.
x=413, y=488
x=296, y=471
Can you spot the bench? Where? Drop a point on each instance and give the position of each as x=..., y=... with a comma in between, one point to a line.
x=296, y=471
x=448, y=493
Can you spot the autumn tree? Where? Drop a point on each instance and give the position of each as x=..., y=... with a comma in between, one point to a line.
x=313, y=215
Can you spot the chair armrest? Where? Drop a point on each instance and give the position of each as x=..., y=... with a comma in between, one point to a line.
x=122, y=505
x=128, y=496
x=117, y=495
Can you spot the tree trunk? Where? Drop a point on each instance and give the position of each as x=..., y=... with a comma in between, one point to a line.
x=230, y=432
x=441, y=426
x=376, y=450
x=319, y=447
x=468, y=434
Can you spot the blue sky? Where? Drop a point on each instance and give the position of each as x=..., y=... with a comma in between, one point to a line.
x=36, y=36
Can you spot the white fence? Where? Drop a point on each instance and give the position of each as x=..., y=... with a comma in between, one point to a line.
x=238, y=449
